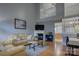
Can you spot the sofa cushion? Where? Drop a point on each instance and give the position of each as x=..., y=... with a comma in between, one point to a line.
x=12, y=51
x=15, y=50
x=2, y=48
x=9, y=46
x=19, y=42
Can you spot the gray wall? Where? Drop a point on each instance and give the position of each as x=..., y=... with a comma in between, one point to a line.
x=49, y=26
x=59, y=10
x=10, y=11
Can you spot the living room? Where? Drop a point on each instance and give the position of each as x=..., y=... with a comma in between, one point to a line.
x=10, y=12
x=32, y=29
x=14, y=37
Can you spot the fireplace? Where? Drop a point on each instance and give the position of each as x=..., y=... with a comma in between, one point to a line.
x=40, y=36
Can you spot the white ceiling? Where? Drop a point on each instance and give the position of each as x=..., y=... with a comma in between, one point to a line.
x=46, y=5
x=71, y=9
x=47, y=9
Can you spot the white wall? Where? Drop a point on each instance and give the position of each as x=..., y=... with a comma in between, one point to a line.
x=47, y=10
x=58, y=27
x=10, y=11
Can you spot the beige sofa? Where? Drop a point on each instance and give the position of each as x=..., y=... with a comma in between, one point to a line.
x=19, y=42
x=13, y=51
x=13, y=46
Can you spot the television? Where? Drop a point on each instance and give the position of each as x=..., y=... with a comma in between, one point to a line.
x=39, y=27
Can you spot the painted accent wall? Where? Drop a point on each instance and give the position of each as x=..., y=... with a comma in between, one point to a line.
x=49, y=26
x=22, y=11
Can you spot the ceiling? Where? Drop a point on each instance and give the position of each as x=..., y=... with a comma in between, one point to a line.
x=48, y=10
x=71, y=9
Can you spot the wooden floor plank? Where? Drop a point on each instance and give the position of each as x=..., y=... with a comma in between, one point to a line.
x=56, y=49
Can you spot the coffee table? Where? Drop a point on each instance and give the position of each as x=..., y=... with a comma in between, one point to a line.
x=28, y=44
x=33, y=44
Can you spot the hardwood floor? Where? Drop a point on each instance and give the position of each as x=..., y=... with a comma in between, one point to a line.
x=56, y=49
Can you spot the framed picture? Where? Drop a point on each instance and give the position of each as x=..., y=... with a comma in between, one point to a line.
x=19, y=23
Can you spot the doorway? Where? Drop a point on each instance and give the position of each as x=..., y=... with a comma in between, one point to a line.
x=58, y=32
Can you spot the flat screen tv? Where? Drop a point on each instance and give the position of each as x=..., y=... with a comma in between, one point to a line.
x=39, y=27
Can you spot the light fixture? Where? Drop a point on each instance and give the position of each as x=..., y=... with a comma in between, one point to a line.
x=53, y=4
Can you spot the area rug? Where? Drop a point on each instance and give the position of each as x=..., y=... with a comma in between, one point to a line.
x=38, y=50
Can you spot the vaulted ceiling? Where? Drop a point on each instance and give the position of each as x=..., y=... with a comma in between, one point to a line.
x=48, y=10
x=71, y=9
